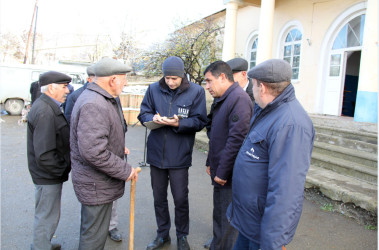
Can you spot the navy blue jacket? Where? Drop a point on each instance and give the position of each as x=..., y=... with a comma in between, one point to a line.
x=269, y=172
x=171, y=147
x=71, y=99
x=230, y=123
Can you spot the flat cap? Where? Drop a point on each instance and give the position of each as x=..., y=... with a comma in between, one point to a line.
x=272, y=71
x=238, y=64
x=109, y=67
x=91, y=70
x=53, y=77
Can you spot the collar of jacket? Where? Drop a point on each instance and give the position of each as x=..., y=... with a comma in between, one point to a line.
x=183, y=86
x=227, y=92
x=101, y=91
x=286, y=96
x=51, y=103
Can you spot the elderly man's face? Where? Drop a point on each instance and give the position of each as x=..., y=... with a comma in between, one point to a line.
x=241, y=78
x=121, y=82
x=59, y=92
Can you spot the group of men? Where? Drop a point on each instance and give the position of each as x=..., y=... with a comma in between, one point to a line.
x=260, y=144
x=91, y=144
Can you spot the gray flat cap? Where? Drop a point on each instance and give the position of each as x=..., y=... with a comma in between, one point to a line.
x=238, y=64
x=91, y=70
x=109, y=67
x=53, y=77
x=272, y=71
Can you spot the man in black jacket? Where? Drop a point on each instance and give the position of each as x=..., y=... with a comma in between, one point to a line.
x=48, y=150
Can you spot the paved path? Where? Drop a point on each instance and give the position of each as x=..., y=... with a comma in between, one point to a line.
x=317, y=229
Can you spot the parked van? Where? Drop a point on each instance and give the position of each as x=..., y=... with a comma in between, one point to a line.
x=15, y=82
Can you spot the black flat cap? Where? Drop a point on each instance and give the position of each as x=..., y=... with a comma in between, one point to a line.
x=238, y=64
x=53, y=77
x=109, y=67
x=91, y=70
x=272, y=71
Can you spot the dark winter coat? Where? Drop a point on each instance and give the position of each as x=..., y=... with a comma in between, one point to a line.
x=48, y=145
x=171, y=147
x=249, y=91
x=71, y=99
x=230, y=124
x=269, y=172
x=97, y=148
x=35, y=91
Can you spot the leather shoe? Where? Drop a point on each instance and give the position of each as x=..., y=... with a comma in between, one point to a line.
x=183, y=243
x=158, y=242
x=115, y=235
x=55, y=247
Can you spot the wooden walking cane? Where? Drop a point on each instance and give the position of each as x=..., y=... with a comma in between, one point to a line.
x=131, y=218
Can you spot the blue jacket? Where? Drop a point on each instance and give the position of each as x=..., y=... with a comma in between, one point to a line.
x=230, y=123
x=269, y=172
x=171, y=147
x=71, y=99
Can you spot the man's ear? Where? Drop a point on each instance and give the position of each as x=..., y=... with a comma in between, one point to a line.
x=223, y=77
x=112, y=81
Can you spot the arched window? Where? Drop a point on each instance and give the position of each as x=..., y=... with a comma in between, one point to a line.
x=253, y=53
x=351, y=35
x=292, y=46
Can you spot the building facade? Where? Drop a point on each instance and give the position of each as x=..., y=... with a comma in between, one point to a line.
x=332, y=46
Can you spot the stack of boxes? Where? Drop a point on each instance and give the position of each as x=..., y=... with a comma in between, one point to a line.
x=131, y=104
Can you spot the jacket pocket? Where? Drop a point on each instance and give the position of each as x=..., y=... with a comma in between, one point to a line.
x=183, y=109
x=257, y=147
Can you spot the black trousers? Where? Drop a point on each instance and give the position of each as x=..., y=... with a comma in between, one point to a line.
x=224, y=235
x=178, y=179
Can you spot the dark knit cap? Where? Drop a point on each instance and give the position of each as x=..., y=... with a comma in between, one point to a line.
x=272, y=71
x=53, y=77
x=173, y=66
x=109, y=67
x=238, y=64
x=91, y=70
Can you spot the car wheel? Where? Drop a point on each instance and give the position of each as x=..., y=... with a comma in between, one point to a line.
x=14, y=106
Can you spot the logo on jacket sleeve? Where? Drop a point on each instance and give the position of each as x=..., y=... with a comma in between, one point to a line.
x=251, y=153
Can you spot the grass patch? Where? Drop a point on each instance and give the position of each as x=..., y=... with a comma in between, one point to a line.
x=371, y=227
x=327, y=207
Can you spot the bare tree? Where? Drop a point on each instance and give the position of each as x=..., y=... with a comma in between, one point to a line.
x=11, y=47
x=197, y=44
x=128, y=51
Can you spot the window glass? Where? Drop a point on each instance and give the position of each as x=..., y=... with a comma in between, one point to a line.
x=292, y=50
x=253, y=53
x=335, y=63
x=351, y=35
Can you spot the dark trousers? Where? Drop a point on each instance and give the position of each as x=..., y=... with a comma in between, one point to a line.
x=244, y=243
x=94, y=226
x=224, y=235
x=178, y=179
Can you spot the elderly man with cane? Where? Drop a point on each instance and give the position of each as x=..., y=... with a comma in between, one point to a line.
x=97, y=144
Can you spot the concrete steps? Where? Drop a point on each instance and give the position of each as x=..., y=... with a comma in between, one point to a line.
x=344, y=161
x=343, y=188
